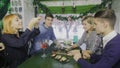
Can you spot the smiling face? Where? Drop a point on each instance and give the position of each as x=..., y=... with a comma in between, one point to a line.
x=16, y=23
x=87, y=26
x=48, y=21
x=11, y=24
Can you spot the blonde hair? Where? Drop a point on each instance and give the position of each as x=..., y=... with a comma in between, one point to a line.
x=7, y=21
x=89, y=19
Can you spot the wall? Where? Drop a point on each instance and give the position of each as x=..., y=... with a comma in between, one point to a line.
x=24, y=8
x=116, y=7
x=69, y=29
x=70, y=3
x=28, y=12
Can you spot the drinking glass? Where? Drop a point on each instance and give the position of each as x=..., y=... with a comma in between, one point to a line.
x=44, y=45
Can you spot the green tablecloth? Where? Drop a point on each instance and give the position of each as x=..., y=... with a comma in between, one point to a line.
x=38, y=62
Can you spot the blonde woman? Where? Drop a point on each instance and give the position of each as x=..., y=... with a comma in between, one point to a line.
x=14, y=43
x=89, y=39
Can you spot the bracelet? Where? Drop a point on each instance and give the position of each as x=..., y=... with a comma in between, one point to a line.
x=81, y=53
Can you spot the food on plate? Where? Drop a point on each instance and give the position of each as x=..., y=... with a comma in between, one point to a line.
x=58, y=57
x=53, y=55
x=63, y=59
x=67, y=60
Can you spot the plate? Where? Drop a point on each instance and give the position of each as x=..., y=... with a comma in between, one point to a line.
x=60, y=56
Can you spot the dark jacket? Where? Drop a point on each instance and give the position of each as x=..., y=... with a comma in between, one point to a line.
x=16, y=47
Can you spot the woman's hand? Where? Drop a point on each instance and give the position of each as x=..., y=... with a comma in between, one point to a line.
x=86, y=54
x=75, y=53
x=71, y=47
x=2, y=47
x=34, y=23
x=74, y=46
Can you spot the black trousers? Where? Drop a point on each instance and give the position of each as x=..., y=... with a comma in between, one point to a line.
x=2, y=59
x=14, y=63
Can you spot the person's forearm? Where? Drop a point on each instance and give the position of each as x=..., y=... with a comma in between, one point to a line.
x=2, y=47
x=74, y=46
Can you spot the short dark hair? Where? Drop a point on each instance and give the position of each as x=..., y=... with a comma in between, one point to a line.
x=49, y=15
x=108, y=14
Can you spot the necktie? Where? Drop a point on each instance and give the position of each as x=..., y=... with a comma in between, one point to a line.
x=101, y=42
x=99, y=48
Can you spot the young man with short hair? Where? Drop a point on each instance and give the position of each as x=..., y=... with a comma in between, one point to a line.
x=46, y=33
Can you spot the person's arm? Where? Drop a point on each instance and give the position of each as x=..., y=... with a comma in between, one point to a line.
x=25, y=37
x=53, y=38
x=109, y=58
x=35, y=32
x=2, y=47
x=80, y=41
x=17, y=42
x=95, y=42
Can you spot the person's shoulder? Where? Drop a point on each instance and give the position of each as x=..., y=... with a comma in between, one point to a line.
x=51, y=28
x=6, y=36
x=41, y=24
x=94, y=32
x=117, y=36
x=115, y=42
x=116, y=39
x=84, y=32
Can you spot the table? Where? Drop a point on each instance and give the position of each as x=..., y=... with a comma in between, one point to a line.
x=38, y=62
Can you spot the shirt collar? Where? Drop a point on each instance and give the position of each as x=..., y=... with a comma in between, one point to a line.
x=45, y=26
x=108, y=37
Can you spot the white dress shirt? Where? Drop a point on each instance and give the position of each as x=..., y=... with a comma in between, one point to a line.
x=108, y=37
